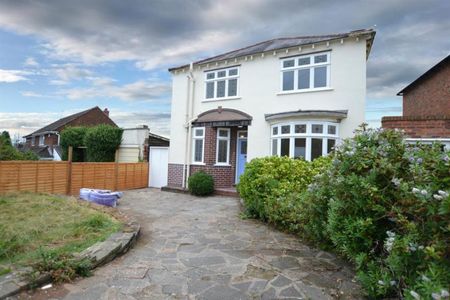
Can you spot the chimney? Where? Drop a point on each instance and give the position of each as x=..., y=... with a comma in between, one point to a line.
x=106, y=111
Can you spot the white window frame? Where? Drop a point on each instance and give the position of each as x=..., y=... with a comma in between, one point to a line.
x=194, y=138
x=221, y=138
x=41, y=140
x=33, y=140
x=226, y=78
x=308, y=135
x=311, y=66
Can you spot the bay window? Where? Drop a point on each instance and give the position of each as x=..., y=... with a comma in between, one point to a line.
x=221, y=83
x=223, y=146
x=304, y=139
x=198, y=145
x=306, y=72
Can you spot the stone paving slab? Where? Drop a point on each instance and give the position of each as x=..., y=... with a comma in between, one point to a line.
x=199, y=248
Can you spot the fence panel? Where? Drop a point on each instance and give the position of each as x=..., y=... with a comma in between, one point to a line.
x=64, y=177
x=34, y=176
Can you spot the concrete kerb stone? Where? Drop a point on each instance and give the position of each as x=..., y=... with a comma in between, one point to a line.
x=99, y=254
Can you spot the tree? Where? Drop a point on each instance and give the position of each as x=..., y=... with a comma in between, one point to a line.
x=6, y=138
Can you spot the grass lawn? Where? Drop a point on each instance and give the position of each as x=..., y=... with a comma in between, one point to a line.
x=32, y=225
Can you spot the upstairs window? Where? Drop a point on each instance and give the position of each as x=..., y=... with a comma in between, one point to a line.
x=223, y=146
x=306, y=72
x=198, y=145
x=221, y=83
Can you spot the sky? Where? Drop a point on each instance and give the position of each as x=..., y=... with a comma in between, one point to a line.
x=58, y=57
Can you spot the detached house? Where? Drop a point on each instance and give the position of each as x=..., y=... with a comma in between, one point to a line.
x=426, y=107
x=45, y=141
x=295, y=97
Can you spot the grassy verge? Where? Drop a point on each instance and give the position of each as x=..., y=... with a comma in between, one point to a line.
x=40, y=229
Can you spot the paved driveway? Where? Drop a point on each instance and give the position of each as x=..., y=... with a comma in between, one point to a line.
x=200, y=248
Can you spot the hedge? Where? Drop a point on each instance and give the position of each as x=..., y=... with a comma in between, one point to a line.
x=100, y=142
x=381, y=203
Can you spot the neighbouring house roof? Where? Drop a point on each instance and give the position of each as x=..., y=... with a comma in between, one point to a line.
x=157, y=140
x=43, y=152
x=426, y=75
x=283, y=43
x=61, y=122
x=335, y=114
x=223, y=117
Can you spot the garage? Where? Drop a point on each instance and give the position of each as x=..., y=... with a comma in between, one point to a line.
x=158, y=159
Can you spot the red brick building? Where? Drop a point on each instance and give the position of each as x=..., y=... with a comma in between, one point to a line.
x=45, y=141
x=426, y=106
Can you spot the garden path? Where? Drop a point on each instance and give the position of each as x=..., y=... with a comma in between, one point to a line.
x=200, y=248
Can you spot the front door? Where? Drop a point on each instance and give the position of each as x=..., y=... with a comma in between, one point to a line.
x=241, y=154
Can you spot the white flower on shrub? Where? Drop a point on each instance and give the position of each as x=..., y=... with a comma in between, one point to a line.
x=443, y=193
x=425, y=278
x=436, y=296
x=380, y=282
x=412, y=247
x=389, y=243
x=437, y=197
x=414, y=295
x=415, y=190
x=396, y=181
x=393, y=282
x=445, y=294
x=424, y=192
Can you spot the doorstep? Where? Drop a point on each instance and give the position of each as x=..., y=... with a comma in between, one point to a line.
x=230, y=192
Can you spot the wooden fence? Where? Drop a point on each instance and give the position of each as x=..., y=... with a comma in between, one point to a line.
x=69, y=177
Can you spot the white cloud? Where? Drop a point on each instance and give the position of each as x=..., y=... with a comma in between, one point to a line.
x=31, y=62
x=31, y=94
x=144, y=90
x=10, y=76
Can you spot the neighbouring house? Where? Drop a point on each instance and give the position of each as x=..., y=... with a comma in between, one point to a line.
x=136, y=142
x=45, y=141
x=426, y=107
x=295, y=97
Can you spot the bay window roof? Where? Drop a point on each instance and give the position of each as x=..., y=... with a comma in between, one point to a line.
x=332, y=114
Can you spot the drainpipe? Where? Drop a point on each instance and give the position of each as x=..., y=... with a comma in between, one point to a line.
x=189, y=119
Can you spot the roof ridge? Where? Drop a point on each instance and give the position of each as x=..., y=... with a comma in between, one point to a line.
x=75, y=115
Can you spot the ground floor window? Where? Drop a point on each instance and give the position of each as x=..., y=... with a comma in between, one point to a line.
x=304, y=139
x=198, y=144
x=223, y=146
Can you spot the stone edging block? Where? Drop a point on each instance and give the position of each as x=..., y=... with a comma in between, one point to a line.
x=99, y=254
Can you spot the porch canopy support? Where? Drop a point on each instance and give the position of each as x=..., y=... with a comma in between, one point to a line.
x=222, y=117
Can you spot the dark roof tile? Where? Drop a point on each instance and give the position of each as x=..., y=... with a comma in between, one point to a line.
x=280, y=43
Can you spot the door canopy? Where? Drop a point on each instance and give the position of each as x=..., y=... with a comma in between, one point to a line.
x=223, y=117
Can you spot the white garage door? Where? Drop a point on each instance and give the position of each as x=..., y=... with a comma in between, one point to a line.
x=159, y=160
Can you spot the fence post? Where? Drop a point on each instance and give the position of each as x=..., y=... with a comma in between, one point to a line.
x=69, y=170
x=116, y=169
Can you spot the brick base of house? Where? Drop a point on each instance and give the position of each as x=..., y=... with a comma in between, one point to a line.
x=224, y=176
x=420, y=127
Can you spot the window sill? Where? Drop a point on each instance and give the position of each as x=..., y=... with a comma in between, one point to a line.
x=198, y=164
x=305, y=91
x=222, y=165
x=221, y=99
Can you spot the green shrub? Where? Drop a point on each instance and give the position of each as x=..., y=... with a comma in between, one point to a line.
x=385, y=206
x=8, y=152
x=201, y=184
x=270, y=187
x=73, y=136
x=101, y=142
